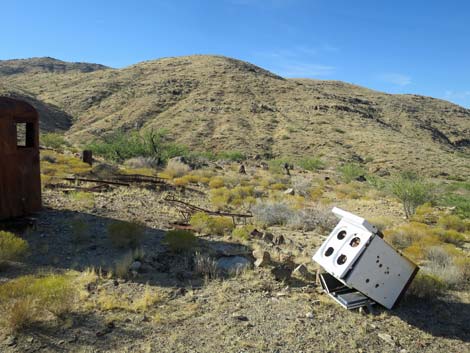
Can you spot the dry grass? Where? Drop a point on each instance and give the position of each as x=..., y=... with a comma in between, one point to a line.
x=176, y=169
x=12, y=247
x=125, y=234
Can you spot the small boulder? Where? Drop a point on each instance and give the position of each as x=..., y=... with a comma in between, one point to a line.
x=262, y=258
x=281, y=273
x=135, y=266
x=268, y=237
x=256, y=233
x=287, y=260
x=233, y=264
x=303, y=272
x=289, y=191
x=279, y=240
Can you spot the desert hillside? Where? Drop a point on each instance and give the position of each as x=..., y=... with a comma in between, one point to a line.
x=218, y=103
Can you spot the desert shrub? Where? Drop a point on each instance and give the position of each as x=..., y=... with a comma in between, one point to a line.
x=205, y=265
x=183, y=181
x=243, y=232
x=347, y=191
x=425, y=213
x=312, y=218
x=12, y=248
x=411, y=191
x=216, y=182
x=121, y=146
x=426, y=286
x=220, y=198
x=123, y=264
x=350, y=171
x=234, y=156
x=459, y=202
x=441, y=264
x=301, y=185
x=80, y=230
x=204, y=223
x=176, y=168
x=311, y=164
x=270, y=213
x=277, y=165
x=82, y=199
x=404, y=235
x=125, y=234
x=49, y=158
x=381, y=222
x=53, y=140
x=180, y=240
x=453, y=222
x=142, y=162
x=28, y=299
x=451, y=236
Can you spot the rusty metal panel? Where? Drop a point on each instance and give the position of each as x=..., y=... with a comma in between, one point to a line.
x=20, y=177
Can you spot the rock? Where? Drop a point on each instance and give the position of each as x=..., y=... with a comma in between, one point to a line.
x=240, y=317
x=279, y=240
x=178, y=159
x=262, y=258
x=10, y=341
x=256, y=233
x=361, y=178
x=289, y=191
x=233, y=264
x=287, y=261
x=268, y=237
x=387, y=338
x=302, y=272
x=135, y=266
x=281, y=273
x=309, y=315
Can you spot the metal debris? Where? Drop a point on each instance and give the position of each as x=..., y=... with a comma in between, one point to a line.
x=361, y=266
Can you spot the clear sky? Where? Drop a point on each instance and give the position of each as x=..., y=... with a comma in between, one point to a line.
x=396, y=46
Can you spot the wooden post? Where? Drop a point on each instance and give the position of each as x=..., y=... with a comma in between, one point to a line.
x=87, y=157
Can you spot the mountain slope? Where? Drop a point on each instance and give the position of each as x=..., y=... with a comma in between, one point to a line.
x=212, y=102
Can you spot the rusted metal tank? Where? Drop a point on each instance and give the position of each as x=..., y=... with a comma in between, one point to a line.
x=20, y=177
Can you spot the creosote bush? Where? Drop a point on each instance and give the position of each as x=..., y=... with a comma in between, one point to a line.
x=53, y=140
x=270, y=213
x=28, y=299
x=12, y=248
x=312, y=164
x=206, y=224
x=125, y=234
x=411, y=191
x=180, y=240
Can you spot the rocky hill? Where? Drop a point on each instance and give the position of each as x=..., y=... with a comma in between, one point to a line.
x=218, y=103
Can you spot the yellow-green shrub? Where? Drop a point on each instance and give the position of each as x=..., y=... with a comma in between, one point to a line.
x=453, y=222
x=203, y=223
x=125, y=234
x=11, y=247
x=180, y=240
x=216, y=182
x=426, y=286
x=28, y=299
x=243, y=232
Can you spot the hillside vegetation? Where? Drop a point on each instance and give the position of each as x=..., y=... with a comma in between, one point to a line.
x=221, y=104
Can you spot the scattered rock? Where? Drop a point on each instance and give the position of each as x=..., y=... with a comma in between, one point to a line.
x=256, y=233
x=387, y=338
x=268, y=237
x=135, y=266
x=287, y=260
x=302, y=272
x=279, y=240
x=262, y=258
x=282, y=273
x=233, y=264
x=240, y=317
x=309, y=315
x=361, y=178
x=10, y=341
x=289, y=191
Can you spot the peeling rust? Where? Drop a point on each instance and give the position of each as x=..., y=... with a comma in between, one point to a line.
x=20, y=177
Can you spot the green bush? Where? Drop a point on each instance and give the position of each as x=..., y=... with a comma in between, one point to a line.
x=312, y=164
x=125, y=234
x=28, y=299
x=234, y=156
x=411, y=191
x=53, y=140
x=180, y=240
x=460, y=202
x=350, y=171
x=12, y=248
x=121, y=146
x=206, y=224
x=243, y=232
x=426, y=286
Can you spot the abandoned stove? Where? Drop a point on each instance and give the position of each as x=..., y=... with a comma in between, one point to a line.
x=362, y=269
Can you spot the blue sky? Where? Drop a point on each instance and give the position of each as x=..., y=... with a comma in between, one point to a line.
x=398, y=46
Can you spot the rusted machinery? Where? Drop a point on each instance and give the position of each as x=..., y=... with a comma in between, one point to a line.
x=20, y=177
x=361, y=267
